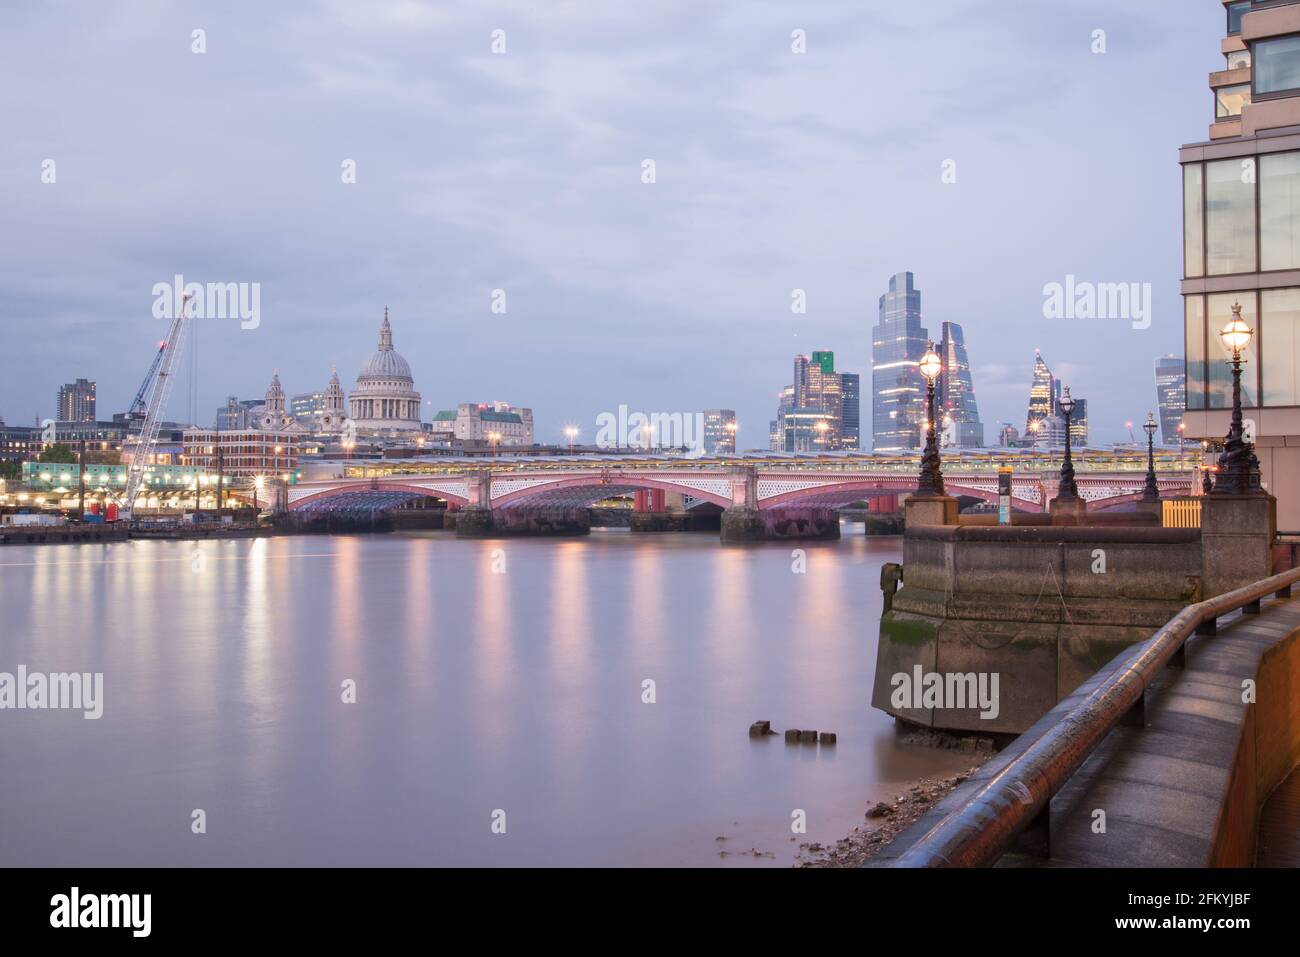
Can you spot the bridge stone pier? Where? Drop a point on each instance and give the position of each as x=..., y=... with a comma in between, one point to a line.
x=1042, y=603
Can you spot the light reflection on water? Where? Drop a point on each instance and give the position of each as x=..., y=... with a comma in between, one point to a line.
x=498, y=674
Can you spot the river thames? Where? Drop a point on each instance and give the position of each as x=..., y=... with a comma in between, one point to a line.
x=494, y=676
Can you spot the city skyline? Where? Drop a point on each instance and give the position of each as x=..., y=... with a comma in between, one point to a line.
x=405, y=234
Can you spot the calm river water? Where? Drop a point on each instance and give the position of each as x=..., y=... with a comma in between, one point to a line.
x=490, y=676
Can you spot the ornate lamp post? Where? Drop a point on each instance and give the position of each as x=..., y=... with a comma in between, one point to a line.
x=1151, y=492
x=572, y=433
x=931, y=480
x=1069, y=492
x=1238, y=469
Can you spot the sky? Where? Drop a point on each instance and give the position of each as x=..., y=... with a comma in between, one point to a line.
x=981, y=144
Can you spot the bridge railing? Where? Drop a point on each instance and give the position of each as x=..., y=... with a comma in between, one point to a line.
x=987, y=824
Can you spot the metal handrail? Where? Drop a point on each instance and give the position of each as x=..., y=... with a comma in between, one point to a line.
x=983, y=829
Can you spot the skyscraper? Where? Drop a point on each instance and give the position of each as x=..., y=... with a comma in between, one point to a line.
x=959, y=416
x=785, y=403
x=825, y=392
x=719, y=432
x=898, y=389
x=1171, y=396
x=76, y=402
x=1079, y=424
x=1044, y=393
x=826, y=403
x=851, y=420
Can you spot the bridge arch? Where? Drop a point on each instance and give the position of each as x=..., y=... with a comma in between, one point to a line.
x=378, y=495
x=840, y=494
x=583, y=490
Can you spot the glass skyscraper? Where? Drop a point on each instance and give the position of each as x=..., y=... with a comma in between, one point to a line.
x=1171, y=396
x=1044, y=393
x=851, y=419
x=719, y=431
x=897, y=387
x=819, y=411
x=959, y=417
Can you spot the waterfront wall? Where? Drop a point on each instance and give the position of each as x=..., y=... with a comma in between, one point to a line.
x=1043, y=607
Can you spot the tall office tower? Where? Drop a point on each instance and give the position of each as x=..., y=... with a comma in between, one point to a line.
x=800, y=379
x=1241, y=243
x=806, y=430
x=959, y=417
x=1171, y=396
x=76, y=402
x=898, y=390
x=1044, y=393
x=719, y=432
x=825, y=393
x=1079, y=424
x=851, y=420
x=785, y=403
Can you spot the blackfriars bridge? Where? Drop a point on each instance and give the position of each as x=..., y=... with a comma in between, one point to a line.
x=821, y=482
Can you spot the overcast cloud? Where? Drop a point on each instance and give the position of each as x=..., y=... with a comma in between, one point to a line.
x=522, y=171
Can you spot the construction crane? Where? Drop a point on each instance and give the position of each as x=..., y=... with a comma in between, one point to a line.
x=136, y=411
x=158, y=387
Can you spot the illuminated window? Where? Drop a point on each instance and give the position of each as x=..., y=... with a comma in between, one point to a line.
x=1228, y=100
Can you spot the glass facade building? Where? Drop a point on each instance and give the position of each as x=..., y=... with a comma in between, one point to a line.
x=1043, y=394
x=817, y=388
x=851, y=419
x=1171, y=397
x=898, y=390
x=955, y=392
x=1241, y=246
x=719, y=431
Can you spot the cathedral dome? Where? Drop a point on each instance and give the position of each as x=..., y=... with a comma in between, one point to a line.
x=387, y=363
x=385, y=396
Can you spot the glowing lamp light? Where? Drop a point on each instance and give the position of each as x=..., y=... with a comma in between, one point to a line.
x=931, y=365
x=1236, y=335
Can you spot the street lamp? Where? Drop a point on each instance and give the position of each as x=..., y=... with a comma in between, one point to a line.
x=822, y=428
x=931, y=478
x=494, y=437
x=1238, y=469
x=1069, y=492
x=1151, y=492
x=572, y=433
x=258, y=484
x=731, y=428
